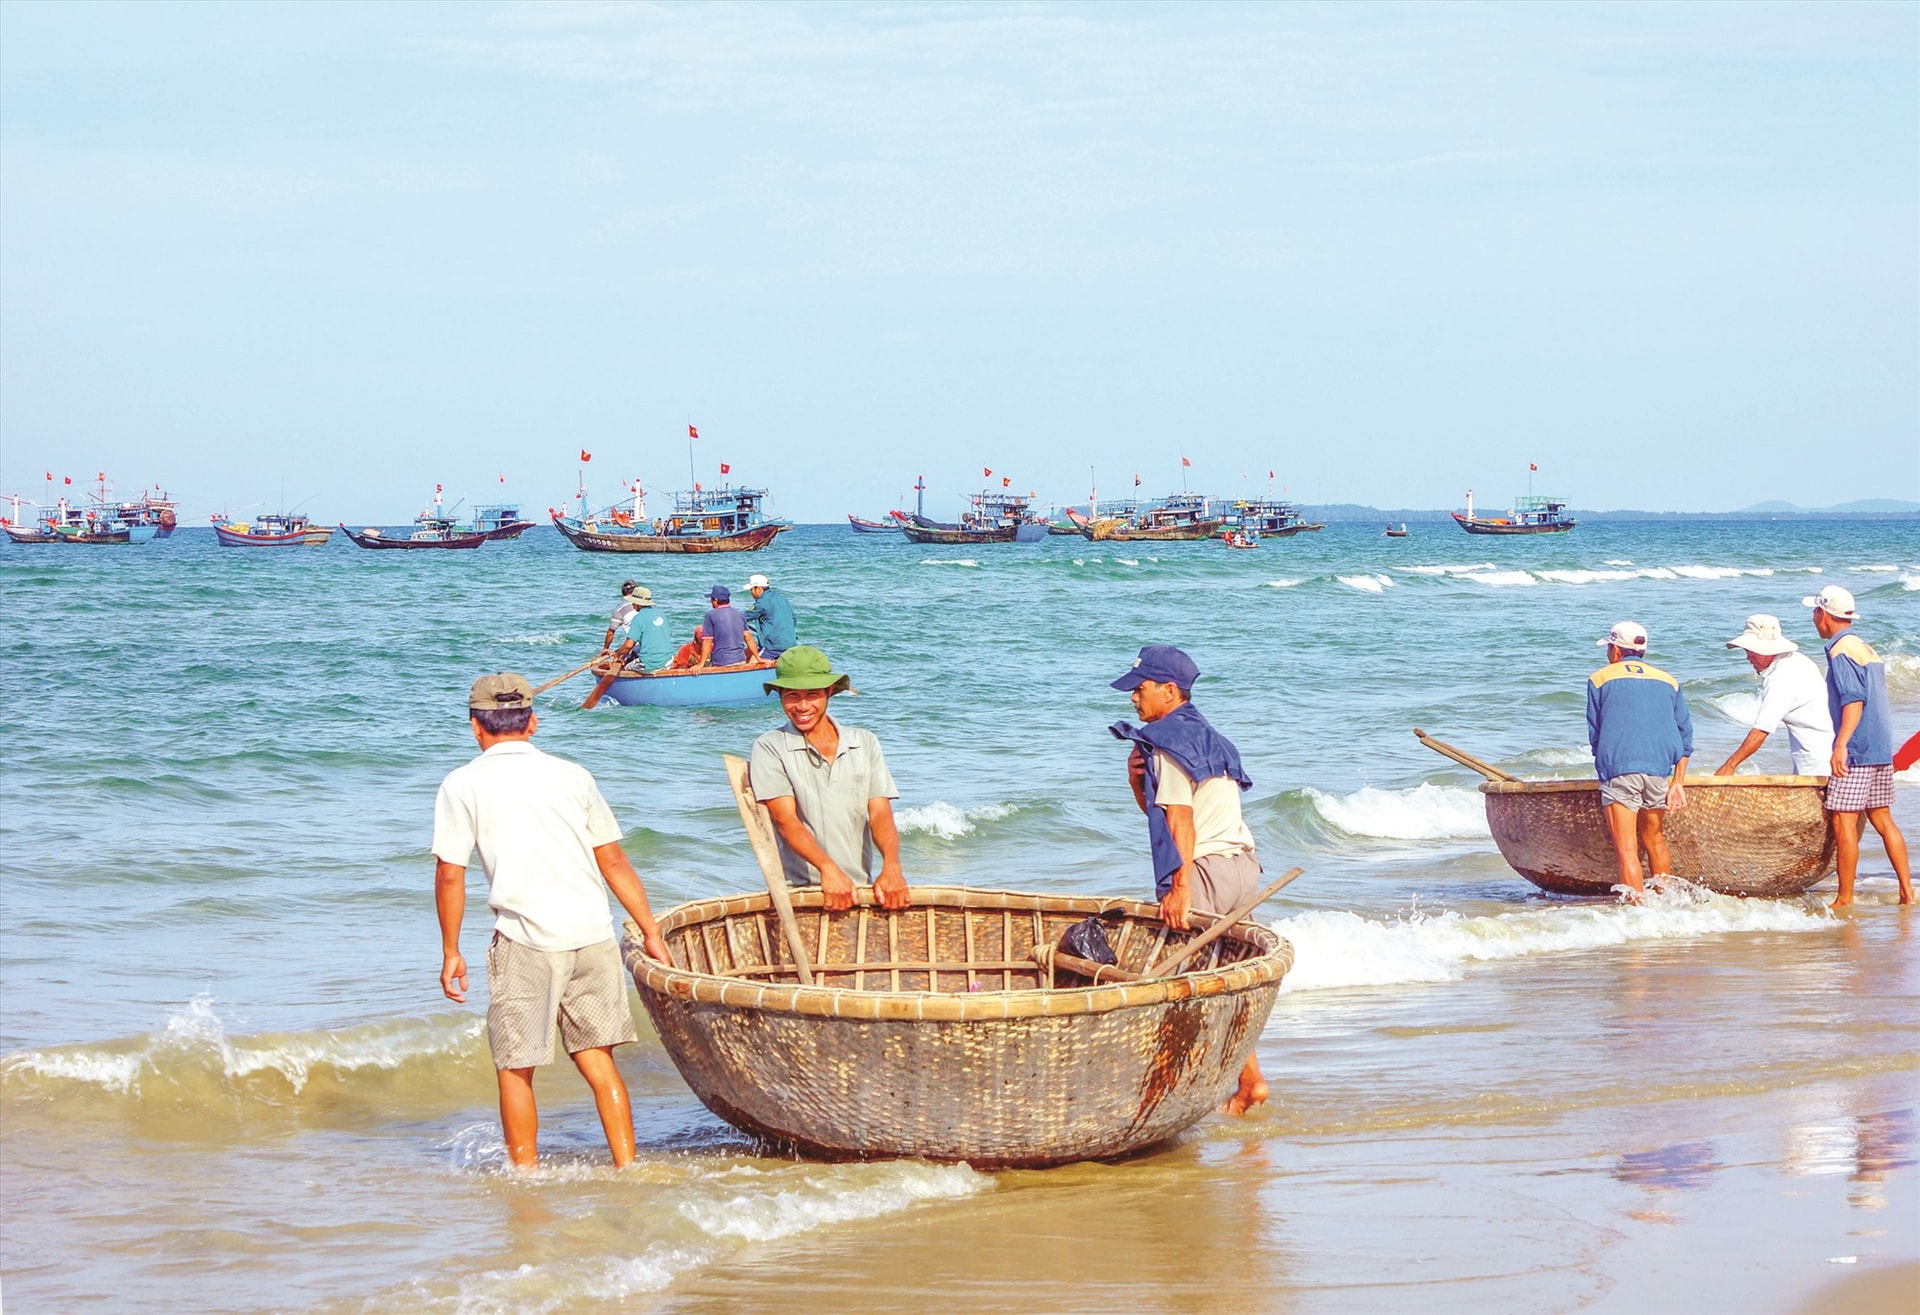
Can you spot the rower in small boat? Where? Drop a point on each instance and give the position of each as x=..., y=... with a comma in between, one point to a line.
x=646, y=645
x=1186, y=777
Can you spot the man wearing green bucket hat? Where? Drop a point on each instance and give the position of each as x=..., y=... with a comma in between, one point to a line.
x=827, y=788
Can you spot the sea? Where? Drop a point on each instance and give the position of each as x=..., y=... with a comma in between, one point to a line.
x=229, y=1080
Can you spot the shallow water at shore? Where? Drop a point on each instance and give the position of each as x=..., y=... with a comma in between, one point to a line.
x=230, y=1083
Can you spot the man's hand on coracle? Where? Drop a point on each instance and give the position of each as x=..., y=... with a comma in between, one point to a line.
x=656, y=947
x=1676, y=795
x=836, y=889
x=453, y=977
x=890, y=888
x=1177, y=904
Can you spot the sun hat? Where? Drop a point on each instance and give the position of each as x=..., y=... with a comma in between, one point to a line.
x=720, y=594
x=638, y=594
x=758, y=582
x=1763, y=636
x=805, y=667
x=1835, y=602
x=1629, y=635
x=504, y=691
x=1161, y=662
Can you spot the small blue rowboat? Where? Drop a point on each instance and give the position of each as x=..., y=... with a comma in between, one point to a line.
x=733, y=688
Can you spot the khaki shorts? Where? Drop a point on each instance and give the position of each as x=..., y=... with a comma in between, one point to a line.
x=1640, y=791
x=529, y=990
x=1223, y=882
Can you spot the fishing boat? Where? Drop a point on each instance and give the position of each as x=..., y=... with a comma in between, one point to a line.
x=1391, y=533
x=723, y=687
x=873, y=527
x=499, y=520
x=989, y=518
x=96, y=521
x=1738, y=835
x=1530, y=515
x=153, y=509
x=1179, y=517
x=725, y=519
x=1270, y=518
x=934, y=1032
x=1240, y=539
x=426, y=536
x=271, y=531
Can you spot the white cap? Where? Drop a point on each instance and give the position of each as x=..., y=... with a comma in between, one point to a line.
x=1763, y=636
x=1629, y=635
x=757, y=582
x=1834, y=601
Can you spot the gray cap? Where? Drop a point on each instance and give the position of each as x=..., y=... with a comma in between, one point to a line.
x=504, y=691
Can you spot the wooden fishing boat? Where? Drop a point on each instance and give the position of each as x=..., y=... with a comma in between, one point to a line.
x=726, y=519
x=872, y=527
x=1530, y=515
x=1180, y=517
x=1271, y=518
x=932, y=1032
x=420, y=538
x=1737, y=835
x=271, y=531
x=714, y=687
x=500, y=520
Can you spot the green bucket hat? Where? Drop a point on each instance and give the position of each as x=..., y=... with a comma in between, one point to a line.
x=806, y=667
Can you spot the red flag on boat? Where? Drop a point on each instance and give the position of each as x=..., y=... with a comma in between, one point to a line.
x=725, y=469
x=103, y=477
x=696, y=486
x=585, y=455
x=67, y=478
x=1269, y=474
x=1185, y=462
x=1006, y=481
x=1136, y=481
x=985, y=471
x=503, y=477
x=436, y=488
x=1531, y=466
x=692, y=432
x=49, y=477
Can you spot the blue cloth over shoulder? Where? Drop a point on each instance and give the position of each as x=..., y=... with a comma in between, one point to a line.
x=1203, y=753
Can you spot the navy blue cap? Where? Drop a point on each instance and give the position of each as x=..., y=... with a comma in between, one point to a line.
x=720, y=594
x=1162, y=662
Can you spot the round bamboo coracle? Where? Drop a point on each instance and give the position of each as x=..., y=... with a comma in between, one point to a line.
x=932, y=1032
x=1737, y=835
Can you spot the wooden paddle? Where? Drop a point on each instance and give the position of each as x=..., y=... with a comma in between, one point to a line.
x=600, y=689
x=759, y=824
x=1446, y=750
x=1171, y=964
x=542, y=689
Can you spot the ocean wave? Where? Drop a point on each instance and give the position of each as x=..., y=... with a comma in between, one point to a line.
x=1581, y=758
x=947, y=822
x=1369, y=584
x=1502, y=578
x=1452, y=570
x=948, y=561
x=1882, y=569
x=1903, y=672
x=744, y=1208
x=1282, y=584
x=1426, y=812
x=1721, y=572
x=1339, y=949
x=1910, y=583
x=1619, y=561
x=547, y=640
x=1587, y=577
x=1128, y=561
x=1740, y=708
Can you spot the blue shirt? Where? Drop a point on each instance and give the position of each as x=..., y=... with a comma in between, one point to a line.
x=1637, y=720
x=1855, y=674
x=1202, y=752
x=727, y=628
x=771, y=618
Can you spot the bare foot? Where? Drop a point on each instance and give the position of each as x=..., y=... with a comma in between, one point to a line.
x=1839, y=903
x=1253, y=1091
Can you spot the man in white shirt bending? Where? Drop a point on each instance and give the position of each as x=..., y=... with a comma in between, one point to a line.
x=1793, y=694
x=551, y=850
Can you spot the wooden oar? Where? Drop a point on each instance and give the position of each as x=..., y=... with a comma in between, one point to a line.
x=1446, y=750
x=753, y=814
x=605, y=684
x=1171, y=964
x=542, y=689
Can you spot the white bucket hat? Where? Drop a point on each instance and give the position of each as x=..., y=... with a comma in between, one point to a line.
x=757, y=582
x=1763, y=636
x=1630, y=635
x=1834, y=601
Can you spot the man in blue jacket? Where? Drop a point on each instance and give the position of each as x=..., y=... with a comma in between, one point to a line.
x=1641, y=735
x=1186, y=777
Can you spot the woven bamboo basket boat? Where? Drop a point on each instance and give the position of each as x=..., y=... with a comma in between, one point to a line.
x=1737, y=835
x=931, y=1031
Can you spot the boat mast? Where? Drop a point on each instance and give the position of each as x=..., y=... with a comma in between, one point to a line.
x=920, y=496
x=1469, y=504
x=1093, y=496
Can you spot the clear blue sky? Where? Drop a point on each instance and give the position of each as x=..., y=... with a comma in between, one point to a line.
x=1667, y=252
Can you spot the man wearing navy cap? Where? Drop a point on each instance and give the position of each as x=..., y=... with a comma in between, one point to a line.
x=1187, y=779
x=725, y=640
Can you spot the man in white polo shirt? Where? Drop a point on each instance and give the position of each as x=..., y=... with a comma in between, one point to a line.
x=551, y=850
x=1793, y=694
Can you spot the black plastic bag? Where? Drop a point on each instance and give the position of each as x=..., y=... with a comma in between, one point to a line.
x=1087, y=939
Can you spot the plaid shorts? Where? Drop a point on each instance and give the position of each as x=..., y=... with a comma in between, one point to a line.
x=529, y=990
x=1860, y=789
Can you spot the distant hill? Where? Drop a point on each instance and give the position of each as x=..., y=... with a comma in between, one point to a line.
x=1865, y=508
x=1860, y=507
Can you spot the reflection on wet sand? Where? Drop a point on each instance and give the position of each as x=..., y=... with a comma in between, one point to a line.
x=1868, y=1148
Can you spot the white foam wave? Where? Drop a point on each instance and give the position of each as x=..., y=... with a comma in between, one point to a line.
x=1337, y=949
x=1721, y=572
x=1453, y=570
x=1903, y=671
x=1885, y=570
x=1370, y=584
x=1281, y=584
x=1426, y=812
x=948, y=561
x=1502, y=578
x=194, y=1038
x=1740, y=709
x=1128, y=561
x=1619, y=561
x=1588, y=577
x=754, y=1214
x=947, y=822
x=547, y=640
x=1581, y=757
x=1910, y=583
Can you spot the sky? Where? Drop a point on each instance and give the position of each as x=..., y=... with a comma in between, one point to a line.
x=329, y=256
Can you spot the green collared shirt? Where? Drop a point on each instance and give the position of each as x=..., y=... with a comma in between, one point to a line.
x=832, y=797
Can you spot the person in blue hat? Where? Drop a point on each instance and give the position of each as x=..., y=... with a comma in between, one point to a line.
x=725, y=640
x=1186, y=777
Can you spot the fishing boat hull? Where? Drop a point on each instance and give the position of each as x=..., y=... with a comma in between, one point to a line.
x=1288, y=531
x=1485, y=525
x=1030, y=532
x=511, y=530
x=374, y=539
x=958, y=538
x=1738, y=835
x=951, y=1044
x=599, y=541
x=232, y=538
x=740, y=688
x=1121, y=531
x=871, y=527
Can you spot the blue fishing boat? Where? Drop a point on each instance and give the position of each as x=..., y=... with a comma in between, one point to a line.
x=1270, y=518
x=499, y=520
x=731, y=687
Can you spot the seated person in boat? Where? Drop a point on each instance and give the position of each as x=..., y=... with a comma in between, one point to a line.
x=1793, y=694
x=645, y=645
x=1860, y=786
x=770, y=619
x=828, y=789
x=725, y=640
x=687, y=656
x=551, y=850
x=1641, y=735
x=1186, y=777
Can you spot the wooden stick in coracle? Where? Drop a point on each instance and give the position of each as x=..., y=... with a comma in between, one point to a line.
x=1446, y=750
x=753, y=814
x=542, y=689
x=1171, y=964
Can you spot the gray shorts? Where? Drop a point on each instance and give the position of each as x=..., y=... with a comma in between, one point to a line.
x=1223, y=882
x=1637, y=790
x=529, y=990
